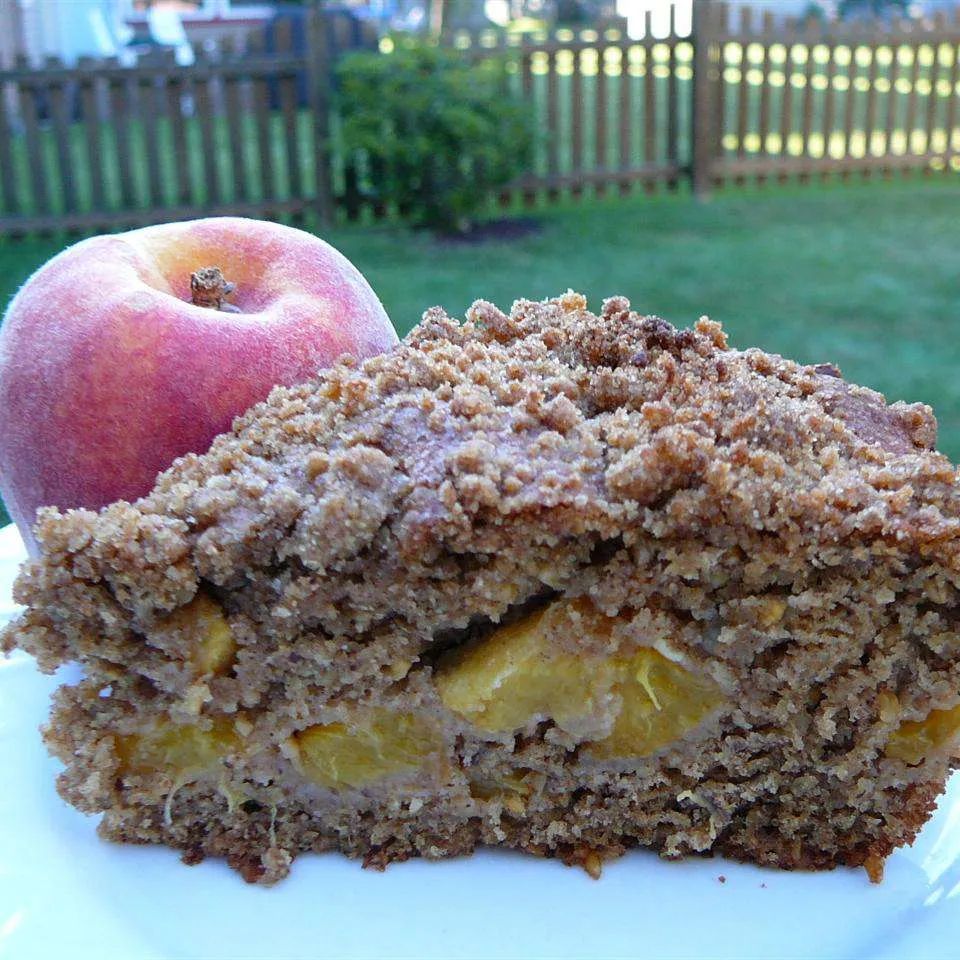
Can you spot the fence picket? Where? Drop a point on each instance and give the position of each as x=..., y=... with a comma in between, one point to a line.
x=786, y=106
x=287, y=82
x=871, y=119
x=601, y=109
x=626, y=116
x=60, y=120
x=911, y=121
x=743, y=88
x=763, y=120
x=93, y=134
x=264, y=135
x=526, y=90
x=288, y=105
x=717, y=21
x=829, y=104
x=233, y=107
x=176, y=92
x=209, y=187
x=673, y=117
x=123, y=110
x=708, y=84
x=851, y=99
x=553, y=124
x=649, y=100
x=9, y=198
x=153, y=113
x=811, y=36
x=35, y=161
x=318, y=80
x=952, y=97
x=577, y=160
x=890, y=125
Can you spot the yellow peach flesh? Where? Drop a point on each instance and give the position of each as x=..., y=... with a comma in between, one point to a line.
x=661, y=703
x=183, y=751
x=518, y=675
x=512, y=678
x=370, y=746
x=915, y=740
x=213, y=644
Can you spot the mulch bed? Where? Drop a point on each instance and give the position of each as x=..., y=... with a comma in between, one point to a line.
x=508, y=228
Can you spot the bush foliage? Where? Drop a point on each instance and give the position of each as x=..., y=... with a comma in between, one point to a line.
x=437, y=132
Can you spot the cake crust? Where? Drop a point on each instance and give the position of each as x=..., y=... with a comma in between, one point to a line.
x=787, y=534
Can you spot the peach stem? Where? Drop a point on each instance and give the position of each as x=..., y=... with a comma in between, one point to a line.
x=209, y=288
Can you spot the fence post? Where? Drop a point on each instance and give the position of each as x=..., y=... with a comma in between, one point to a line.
x=706, y=75
x=318, y=89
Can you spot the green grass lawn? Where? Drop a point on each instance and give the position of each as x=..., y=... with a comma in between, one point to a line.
x=864, y=275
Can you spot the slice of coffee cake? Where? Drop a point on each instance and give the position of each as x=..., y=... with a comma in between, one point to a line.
x=554, y=581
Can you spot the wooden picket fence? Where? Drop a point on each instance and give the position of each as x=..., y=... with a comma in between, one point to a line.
x=777, y=99
x=252, y=131
x=103, y=145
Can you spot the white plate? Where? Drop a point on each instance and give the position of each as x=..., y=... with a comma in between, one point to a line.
x=64, y=893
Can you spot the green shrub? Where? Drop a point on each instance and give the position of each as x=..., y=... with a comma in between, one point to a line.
x=437, y=131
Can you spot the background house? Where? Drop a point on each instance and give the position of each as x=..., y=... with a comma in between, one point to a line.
x=70, y=29
x=37, y=29
x=200, y=21
x=11, y=32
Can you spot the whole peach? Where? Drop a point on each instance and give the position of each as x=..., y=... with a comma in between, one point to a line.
x=127, y=351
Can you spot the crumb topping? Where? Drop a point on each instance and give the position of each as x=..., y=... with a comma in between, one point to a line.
x=443, y=476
